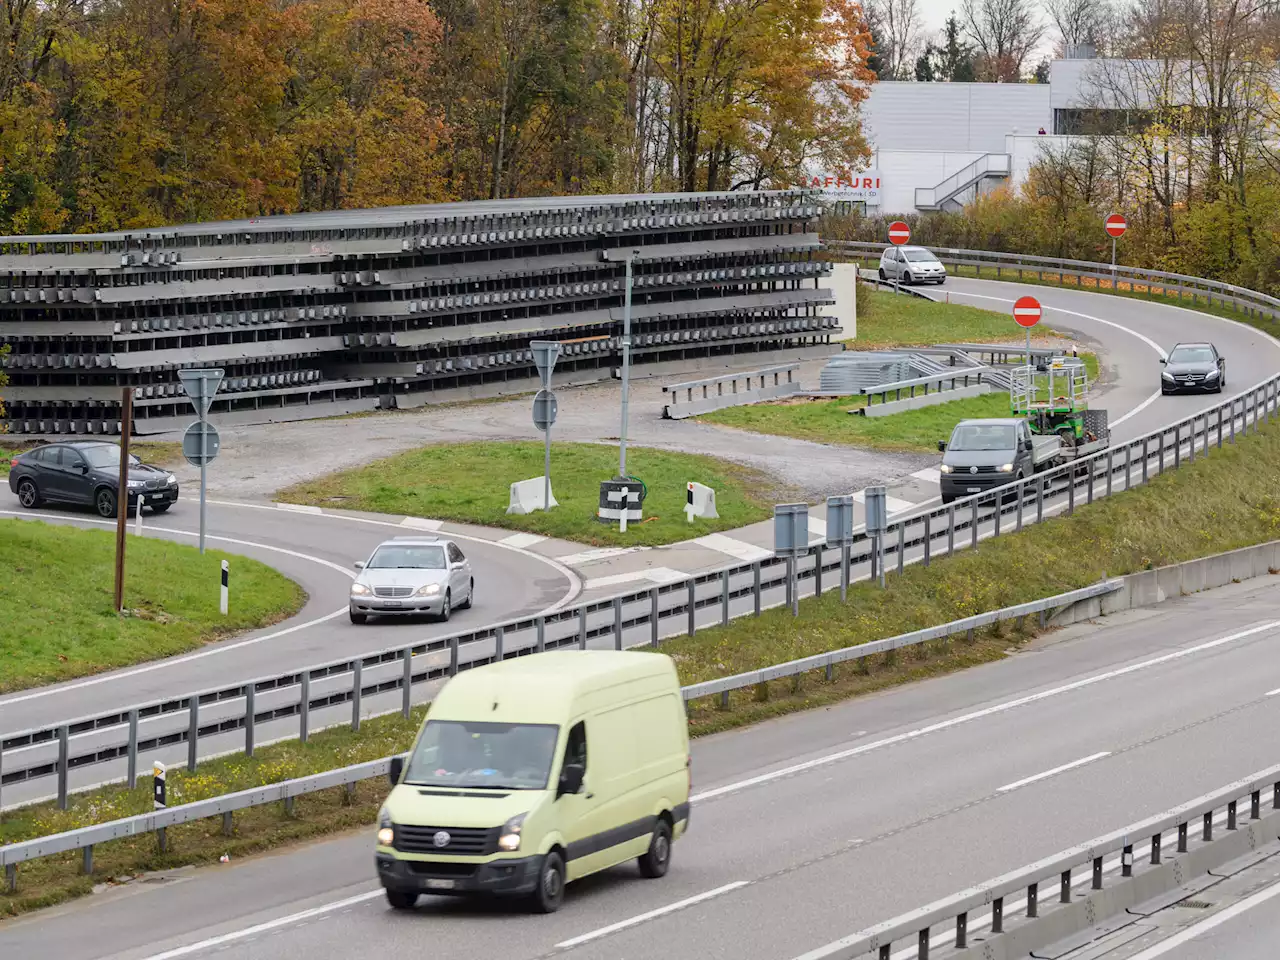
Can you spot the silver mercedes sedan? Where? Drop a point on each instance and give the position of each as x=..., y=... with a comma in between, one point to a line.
x=405, y=576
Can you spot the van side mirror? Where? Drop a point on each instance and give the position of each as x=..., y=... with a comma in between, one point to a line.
x=397, y=768
x=571, y=778
x=1028, y=444
x=942, y=446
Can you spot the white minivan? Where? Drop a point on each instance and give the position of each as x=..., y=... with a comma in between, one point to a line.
x=911, y=265
x=536, y=771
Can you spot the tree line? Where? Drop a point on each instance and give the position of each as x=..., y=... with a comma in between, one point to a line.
x=124, y=113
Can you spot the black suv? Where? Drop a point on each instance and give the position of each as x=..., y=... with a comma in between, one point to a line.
x=87, y=472
x=1193, y=367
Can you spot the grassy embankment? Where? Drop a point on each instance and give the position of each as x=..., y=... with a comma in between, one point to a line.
x=1226, y=501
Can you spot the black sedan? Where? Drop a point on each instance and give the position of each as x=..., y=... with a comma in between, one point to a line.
x=87, y=473
x=1193, y=368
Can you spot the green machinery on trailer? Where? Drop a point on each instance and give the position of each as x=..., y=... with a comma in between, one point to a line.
x=1050, y=396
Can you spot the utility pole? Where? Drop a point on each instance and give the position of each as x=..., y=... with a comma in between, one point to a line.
x=122, y=493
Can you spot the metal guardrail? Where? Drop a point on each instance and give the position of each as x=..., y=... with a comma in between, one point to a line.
x=960, y=373
x=229, y=717
x=86, y=838
x=742, y=390
x=1189, y=829
x=1241, y=299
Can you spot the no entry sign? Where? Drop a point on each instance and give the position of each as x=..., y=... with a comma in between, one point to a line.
x=1116, y=225
x=899, y=233
x=1027, y=311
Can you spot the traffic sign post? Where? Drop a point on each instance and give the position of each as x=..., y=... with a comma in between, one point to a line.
x=545, y=406
x=1026, y=313
x=1116, y=226
x=200, y=442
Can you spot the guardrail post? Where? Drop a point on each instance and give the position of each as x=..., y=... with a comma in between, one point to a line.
x=724, y=594
x=1021, y=495
x=962, y=931
x=1071, y=491
x=1275, y=797
x=1033, y=906
x=1126, y=860
x=928, y=540
x=1255, y=805
x=1231, y=815
x=816, y=553
x=617, y=623
x=64, y=764
x=902, y=544
x=1110, y=470
x=1160, y=453
x=540, y=634
x=1182, y=837
x=1064, y=892
x=1191, y=454
x=922, y=951
x=755, y=576
x=1206, y=827
x=1097, y=873
x=11, y=877
x=998, y=505
x=357, y=683
x=86, y=860
x=1232, y=417
x=653, y=617
x=132, y=775
x=193, y=731
x=406, y=682
x=884, y=952
x=453, y=656
x=304, y=707
x=692, y=605
x=250, y=695
x=499, y=642
x=951, y=530
x=228, y=824
x=997, y=915
x=1155, y=848
x=582, y=628
x=973, y=530
x=1146, y=458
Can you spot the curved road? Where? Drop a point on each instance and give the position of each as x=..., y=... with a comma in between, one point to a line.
x=811, y=827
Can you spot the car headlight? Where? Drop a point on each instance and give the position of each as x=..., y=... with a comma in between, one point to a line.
x=509, y=839
x=171, y=479
x=360, y=590
x=429, y=590
x=386, y=831
x=1213, y=375
x=1166, y=375
x=945, y=469
x=1006, y=468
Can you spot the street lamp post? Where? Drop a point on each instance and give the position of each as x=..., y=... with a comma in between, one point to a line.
x=626, y=256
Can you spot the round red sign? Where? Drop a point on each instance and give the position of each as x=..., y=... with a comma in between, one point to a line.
x=1027, y=311
x=1116, y=225
x=899, y=233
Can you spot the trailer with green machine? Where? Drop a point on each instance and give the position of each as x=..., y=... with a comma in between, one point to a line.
x=1051, y=397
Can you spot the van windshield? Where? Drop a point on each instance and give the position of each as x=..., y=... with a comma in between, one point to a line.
x=977, y=437
x=459, y=753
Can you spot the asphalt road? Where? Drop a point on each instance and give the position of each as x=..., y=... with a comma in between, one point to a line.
x=805, y=829
x=317, y=552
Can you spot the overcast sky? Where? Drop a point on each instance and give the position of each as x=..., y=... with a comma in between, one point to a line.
x=934, y=13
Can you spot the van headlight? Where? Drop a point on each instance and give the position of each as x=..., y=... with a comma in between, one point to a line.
x=429, y=590
x=1006, y=468
x=509, y=839
x=944, y=469
x=360, y=590
x=386, y=831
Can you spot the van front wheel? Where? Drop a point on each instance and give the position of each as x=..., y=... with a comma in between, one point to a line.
x=657, y=860
x=549, y=893
x=402, y=899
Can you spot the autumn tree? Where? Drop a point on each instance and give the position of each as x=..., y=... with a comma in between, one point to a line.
x=1004, y=32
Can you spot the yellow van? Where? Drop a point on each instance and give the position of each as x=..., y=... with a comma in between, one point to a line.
x=536, y=771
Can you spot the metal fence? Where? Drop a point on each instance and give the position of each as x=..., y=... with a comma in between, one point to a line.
x=1076, y=889
x=236, y=717
x=1017, y=266
x=86, y=838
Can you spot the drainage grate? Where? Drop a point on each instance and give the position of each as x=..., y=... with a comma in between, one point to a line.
x=1194, y=904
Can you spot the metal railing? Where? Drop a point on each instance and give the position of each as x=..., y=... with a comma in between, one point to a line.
x=86, y=838
x=1176, y=847
x=741, y=389
x=235, y=717
x=959, y=374
x=987, y=165
x=1251, y=303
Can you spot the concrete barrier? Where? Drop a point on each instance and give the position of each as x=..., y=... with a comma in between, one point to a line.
x=527, y=496
x=1150, y=587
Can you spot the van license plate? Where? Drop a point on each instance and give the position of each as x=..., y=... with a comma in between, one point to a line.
x=975, y=490
x=439, y=884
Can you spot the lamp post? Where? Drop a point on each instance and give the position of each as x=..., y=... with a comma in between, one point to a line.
x=626, y=256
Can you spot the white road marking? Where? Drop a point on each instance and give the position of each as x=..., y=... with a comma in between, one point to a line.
x=817, y=526
x=1272, y=693
x=891, y=504
x=985, y=712
x=654, y=574
x=1204, y=926
x=740, y=549
x=633, y=921
x=521, y=540
x=301, y=508
x=267, y=927
x=1055, y=771
x=929, y=475
x=595, y=556
x=421, y=523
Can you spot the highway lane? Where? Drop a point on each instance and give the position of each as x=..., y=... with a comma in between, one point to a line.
x=316, y=551
x=892, y=801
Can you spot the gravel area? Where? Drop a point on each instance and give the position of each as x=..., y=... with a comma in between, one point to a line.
x=257, y=460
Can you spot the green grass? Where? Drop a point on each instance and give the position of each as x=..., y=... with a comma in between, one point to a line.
x=1227, y=501
x=155, y=452
x=57, y=619
x=888, y=319
x=470, y=483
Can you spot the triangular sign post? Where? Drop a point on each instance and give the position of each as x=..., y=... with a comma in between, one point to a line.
x=545, y=354
x=201, y=385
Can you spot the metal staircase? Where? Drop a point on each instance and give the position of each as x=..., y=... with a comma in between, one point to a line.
x=946, y=195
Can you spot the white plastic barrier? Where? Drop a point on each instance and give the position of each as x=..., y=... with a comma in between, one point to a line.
x=527, y=496
x=700, y=502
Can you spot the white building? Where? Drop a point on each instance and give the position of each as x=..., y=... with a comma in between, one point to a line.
x=935, y=146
